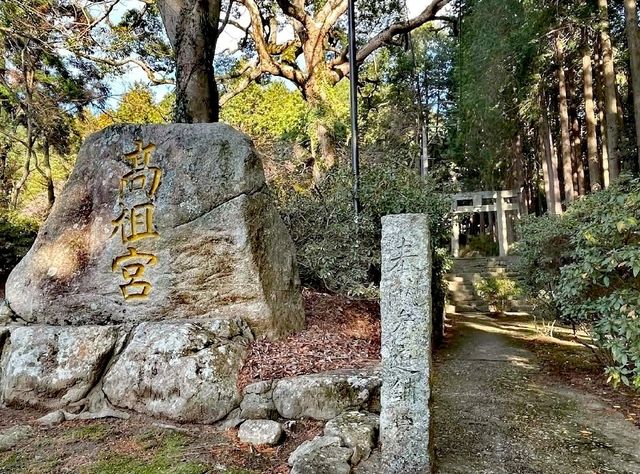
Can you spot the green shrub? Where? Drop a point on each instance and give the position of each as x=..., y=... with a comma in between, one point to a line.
x=586, y=264
x=483, y=245
x=497, y=291
x=338, y=254
x=17, y=234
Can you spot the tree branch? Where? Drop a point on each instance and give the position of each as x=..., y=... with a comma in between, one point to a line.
x=225, y=22
x=245, y=82
x=141, y=64
x=266, y=63
x=386, y=36
x=294, y=10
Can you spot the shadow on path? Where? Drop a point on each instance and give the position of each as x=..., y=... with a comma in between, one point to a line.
x=491, y=416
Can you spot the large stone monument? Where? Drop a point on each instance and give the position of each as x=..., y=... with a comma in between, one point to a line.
x=163, y=256
x=405, y=298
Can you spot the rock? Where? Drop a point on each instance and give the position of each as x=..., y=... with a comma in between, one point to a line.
x=324, y=396
x=52, y=419
x=405, y=306
x=53, y=367
x=185, y=371
x=157, y=223
x=6, y=313
x=259, y=432
x=356, y=430
x=233, y=420
x=165, y=426
x=100, y=414
x=259, y=388
x=11, y=437
x=321, y=455
x=257, y=403
x=372, y=465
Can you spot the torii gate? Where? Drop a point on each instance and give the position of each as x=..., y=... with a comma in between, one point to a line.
x=499, y=202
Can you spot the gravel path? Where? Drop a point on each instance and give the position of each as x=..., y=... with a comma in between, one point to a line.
x=494, y=413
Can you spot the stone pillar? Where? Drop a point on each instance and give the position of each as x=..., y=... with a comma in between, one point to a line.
x=405, y=298
x=455, y=236
x=501, y=218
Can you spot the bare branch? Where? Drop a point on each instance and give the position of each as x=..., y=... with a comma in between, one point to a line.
x=245, y=82
x=225, y=22
x=386, y=36
x=141, y=64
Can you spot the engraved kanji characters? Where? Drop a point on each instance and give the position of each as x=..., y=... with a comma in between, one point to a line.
x=133, y=268
x=137, y=192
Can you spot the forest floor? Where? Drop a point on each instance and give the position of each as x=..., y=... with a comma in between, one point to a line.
x=506, y=400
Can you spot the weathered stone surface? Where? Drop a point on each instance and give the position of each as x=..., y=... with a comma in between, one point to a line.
x=258, y=407
x=259, y=432
x=259, y=388
x=321, y=455
x=11, y=437
x=356, y=430
x=53, y=367
x=52, y=419
x=195, y=210
x=6, y=314
x=324, y=396
x=257, y=403
x=186, y=371
x=405, y=304
x=371, y=465
x=233, y=420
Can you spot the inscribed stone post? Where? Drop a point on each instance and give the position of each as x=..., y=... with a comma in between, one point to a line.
x=405, y=294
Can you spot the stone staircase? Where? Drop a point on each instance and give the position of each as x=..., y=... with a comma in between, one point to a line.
x=467, y=271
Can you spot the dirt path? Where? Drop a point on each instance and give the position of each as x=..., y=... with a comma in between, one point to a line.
x=495, y=413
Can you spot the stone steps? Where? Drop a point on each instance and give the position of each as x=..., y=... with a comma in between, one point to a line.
x=466, y=272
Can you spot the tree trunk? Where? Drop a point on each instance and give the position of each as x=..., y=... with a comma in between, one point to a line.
x=578, y=163
x=548, y=186
x=30, y=140
x=327, y=148
x=4, y=189
x=550, y=162
x=46, y=162
x=611, y=103
x=325, y=157
x=590, y=118
x=605, y=151
x=631, y=25
x=192, y=28
x=567, y=168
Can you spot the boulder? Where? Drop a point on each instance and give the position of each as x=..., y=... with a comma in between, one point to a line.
x=11, y=437
x=321, y=455
x=260, y=432
x=356, y=430
x=257, y=403
x=324, y=396
x=185, y=371
x=52, y=419
x=52, y=367
x=162, y=222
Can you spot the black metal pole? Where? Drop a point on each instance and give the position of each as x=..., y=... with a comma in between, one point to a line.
x=353, y=76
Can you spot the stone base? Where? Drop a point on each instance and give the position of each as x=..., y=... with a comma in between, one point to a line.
x=182, y=370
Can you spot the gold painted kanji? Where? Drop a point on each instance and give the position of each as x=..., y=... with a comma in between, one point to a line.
x=133, y=267
x=135, y=223
x=136, y=200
